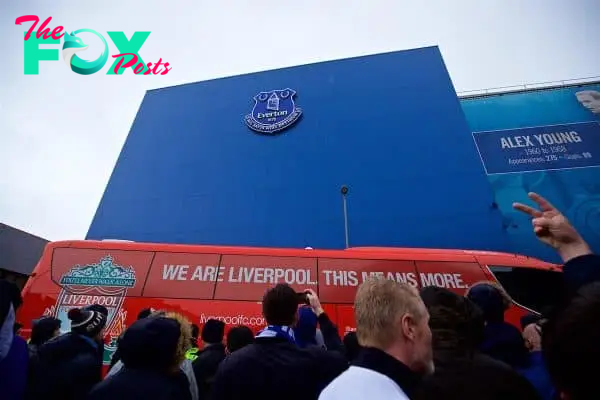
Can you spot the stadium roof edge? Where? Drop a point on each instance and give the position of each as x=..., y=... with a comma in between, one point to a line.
x=291, y=66
x=530, y=87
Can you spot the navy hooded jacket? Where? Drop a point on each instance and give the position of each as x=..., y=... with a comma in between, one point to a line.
x=65, y=368
x=13, y=349
x=148, y=349
x=502, y=341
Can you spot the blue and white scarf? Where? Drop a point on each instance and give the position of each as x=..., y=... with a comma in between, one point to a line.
x=276, y=331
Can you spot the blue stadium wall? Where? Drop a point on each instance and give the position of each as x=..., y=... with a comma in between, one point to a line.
x=389, y=126
x=574, y=189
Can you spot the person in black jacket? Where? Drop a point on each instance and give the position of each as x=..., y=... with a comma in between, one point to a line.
x=461, y=370
x=144, y=313
x=351, y=346
x=239, y=337
x=570, y=344
x=307, y=334
x=208, y=360
x=274, y=363
x=152, y=350
x=100, y=340
x=14, y=357
x=42, y=330
x=68, y=366
x=502, y=340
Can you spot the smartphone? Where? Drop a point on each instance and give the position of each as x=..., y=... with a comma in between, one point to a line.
x=302, y=298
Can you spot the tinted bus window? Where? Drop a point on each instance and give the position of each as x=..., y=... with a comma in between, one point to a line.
x=535, y=289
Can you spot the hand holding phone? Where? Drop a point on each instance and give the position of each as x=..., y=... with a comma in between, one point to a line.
x=314, y=302
x=302, y=298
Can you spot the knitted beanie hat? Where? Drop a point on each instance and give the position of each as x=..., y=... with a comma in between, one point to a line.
x=96, y=307
x=86, y=322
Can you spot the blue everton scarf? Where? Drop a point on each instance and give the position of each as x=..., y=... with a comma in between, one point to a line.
x=275, y=331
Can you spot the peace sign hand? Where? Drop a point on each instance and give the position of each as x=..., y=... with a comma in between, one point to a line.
x=552, y=228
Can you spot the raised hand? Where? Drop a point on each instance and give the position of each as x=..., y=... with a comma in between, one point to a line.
x=552, y=228
x=314, y=301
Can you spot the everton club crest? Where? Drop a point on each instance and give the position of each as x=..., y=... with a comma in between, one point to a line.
x=273, y=111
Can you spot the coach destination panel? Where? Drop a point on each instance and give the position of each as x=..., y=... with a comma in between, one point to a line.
x=183, y=276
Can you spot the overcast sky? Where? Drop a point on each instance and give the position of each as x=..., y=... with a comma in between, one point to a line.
x=61, y=133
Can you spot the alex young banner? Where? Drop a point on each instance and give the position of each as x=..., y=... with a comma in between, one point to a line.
x=540, y=148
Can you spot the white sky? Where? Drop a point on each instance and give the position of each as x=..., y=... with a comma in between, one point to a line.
x=61, y=133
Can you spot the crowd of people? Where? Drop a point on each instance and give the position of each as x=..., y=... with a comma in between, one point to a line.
x=408, y=344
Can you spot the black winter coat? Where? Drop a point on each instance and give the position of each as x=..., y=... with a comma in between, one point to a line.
x=206, y=365
x=504, y=342
x=579, y=272
x=276, y=367
x=65, y=368
x=473, y=377
x=478, y=377
x=128, y=384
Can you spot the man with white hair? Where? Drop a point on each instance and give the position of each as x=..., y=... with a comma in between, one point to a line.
x=392, y=325
x=590, y=99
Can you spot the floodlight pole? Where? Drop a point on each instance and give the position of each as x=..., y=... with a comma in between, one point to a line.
x=344, y=192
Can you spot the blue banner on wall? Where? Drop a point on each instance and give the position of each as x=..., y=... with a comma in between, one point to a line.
x=541, y=148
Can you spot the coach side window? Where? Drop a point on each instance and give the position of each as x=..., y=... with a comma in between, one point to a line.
x=535, y=289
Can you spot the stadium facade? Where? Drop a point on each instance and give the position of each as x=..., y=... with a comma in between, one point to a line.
x=259, y=160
